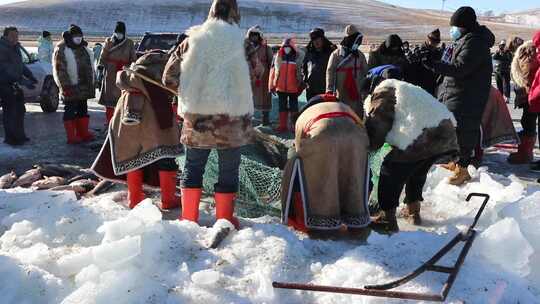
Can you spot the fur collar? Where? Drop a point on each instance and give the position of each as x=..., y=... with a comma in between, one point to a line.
x=214, y=76
x=415, y=111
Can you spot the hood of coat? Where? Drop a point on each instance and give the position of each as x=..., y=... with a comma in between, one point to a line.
x=523, y=64
x=414, y=111
x=481, y=33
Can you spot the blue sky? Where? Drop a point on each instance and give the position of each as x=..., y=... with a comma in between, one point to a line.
x=483, y=5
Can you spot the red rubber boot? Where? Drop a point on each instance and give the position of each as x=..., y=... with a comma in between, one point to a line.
x=167, y=183
x=283, y=121
x=135, y=188
x=82, y=129
x=191, y=198
x=71, y=132
x=225, y=207
x=525, y=153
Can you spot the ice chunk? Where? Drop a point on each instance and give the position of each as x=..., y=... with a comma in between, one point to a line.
x=114, y=254
x=223, y=224
x=147, y=212
x=503, y=244
x=121, y=228
x=265, y=292
x=87, y=274
x=206, y=277
x=37, y=254
x=71, y=264
x=527, y=213
x=86, y=294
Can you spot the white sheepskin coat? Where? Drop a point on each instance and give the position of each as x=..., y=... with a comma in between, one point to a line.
x=214, y=76
x=415, y=111
x=71, y=65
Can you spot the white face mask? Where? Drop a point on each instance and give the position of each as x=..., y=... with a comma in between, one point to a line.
x=119, y=36
x=77, y=40
x=287, y=50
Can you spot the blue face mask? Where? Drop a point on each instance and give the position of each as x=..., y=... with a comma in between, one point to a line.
x=455, y=33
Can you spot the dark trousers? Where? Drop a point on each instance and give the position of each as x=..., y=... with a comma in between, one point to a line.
x=503, y=83
x=167, y=164
x=288, y=102
x=312, y=92
x=229, y=165
x=75, y=109
x=396, y=175
x=529, y=122
x=13, y=113
x=468, y=136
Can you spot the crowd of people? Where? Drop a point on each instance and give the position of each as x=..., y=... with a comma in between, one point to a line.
x=426, y=103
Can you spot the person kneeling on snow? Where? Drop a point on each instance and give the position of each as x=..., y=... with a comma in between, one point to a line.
x=143, y=137
x=325, y=183
x=211, y=72
x=420, y=130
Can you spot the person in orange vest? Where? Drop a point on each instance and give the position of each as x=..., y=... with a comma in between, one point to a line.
x=286, y=80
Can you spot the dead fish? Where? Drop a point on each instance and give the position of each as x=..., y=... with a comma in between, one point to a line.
x=49, y=182
x=7, y=180
x=74, y=188
x=28, y=178
x=88, y=175
x=102, y=187
x=59, y=170
x=87, y=184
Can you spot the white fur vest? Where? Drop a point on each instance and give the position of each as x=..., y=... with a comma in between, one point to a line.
x=415, y=111
x=71, y=64
x=214, y=77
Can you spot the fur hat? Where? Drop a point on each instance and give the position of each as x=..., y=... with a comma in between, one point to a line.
x=435, y=36
x=45, y=34
x=464, y=17
x=229, y=7
x=255, y=30
x=316, y=33
x=393, y=41
x=75, y=30
x=351, y=29
x=120, y=27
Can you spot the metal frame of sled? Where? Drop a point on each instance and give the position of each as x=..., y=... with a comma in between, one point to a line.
x=384, y=290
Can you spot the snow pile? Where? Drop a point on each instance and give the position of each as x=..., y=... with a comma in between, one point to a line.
x=55, y=249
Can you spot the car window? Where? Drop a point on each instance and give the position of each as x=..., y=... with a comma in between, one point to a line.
x=161, y=42
x=25, y=58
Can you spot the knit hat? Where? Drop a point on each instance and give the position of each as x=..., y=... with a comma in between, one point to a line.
x=316, y=33
x=120, y=27
x=464, y=17
x=393, y=41
x=435, y=36
x=74, y=30
x=351, y=30
x=45, y=34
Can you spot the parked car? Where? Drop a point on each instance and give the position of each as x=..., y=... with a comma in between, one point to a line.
x=156, y=41
x=45, y=91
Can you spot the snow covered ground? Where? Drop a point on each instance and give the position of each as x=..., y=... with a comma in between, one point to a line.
x=56, y=249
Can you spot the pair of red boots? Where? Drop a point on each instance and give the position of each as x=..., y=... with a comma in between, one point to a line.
x=167, y=183
x=77, y=130
x=191, y=198
x=283, y=126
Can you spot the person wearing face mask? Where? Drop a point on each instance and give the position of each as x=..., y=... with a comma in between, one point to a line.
x=118, y=51
x=502, y=60
x=45, y=47
x=260, y=61
x=286, y=79
x=73, y=72
x=315, y=64
x=347, y=70
x=389, y=52
x=466, y=85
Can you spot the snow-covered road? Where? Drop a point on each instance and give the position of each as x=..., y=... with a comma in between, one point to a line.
x=56, y=249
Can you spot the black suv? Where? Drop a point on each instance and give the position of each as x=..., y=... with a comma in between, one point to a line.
x=156, y=41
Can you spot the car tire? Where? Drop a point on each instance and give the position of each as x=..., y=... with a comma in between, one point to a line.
x=49, y=96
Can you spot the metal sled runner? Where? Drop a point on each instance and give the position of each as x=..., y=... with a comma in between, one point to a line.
x=384, y=290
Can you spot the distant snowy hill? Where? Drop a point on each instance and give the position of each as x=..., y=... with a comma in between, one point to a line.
x=529, y=18
x=276, y=16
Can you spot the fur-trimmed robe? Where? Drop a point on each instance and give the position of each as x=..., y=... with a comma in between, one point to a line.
x=330, y=166
x=130, y=145
x=412, y=121
x=113, y=58
x=260, y=62
x=73, y=69
x=214, y=86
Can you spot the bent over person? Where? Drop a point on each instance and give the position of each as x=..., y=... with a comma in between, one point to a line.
x=210, y=71
x=325, y=183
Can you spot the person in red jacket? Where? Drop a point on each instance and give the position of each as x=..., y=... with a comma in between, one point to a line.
x=286, y=80
x=534, y=93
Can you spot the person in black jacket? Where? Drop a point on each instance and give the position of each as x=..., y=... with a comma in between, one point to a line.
x=14, y=73
x=318, y=53
x=420, y=75
x=502, y=60
x=467, y=84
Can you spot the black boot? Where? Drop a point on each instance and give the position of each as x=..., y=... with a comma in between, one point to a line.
x=385, y=222
x=265, y=118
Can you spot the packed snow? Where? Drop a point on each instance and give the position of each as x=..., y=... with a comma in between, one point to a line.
x=57, y=249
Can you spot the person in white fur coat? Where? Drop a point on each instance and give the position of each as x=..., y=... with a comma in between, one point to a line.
x=73, y=71
x=210, y=71
x=420, y=130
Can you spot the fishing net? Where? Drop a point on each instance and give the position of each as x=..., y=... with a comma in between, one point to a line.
x=375, y=163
